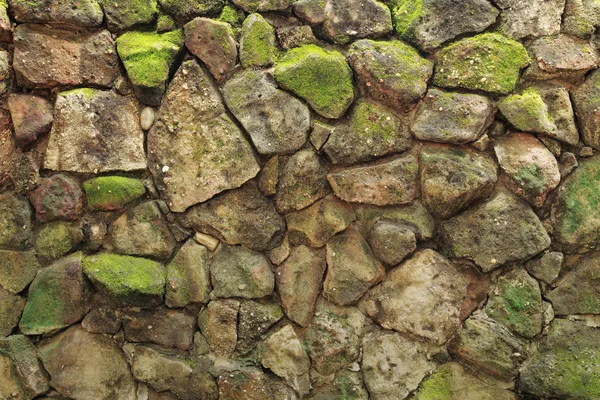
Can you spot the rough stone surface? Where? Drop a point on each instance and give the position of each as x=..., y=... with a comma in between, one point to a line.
x=129, y=13
x=15, y=221
x=414, y=216
x=276, y=121
x=391, y=72
x=525, y=18
x=7, y=147
x=108, y=193
x=49, y=57
x=17, y=269
x=218, y=323
x=188, y=276
x=391, y=241
x=57, y=197
x=257, y=42
x=452, y=178
x=452, y=117
x=547, y=267
x=501, y=230
x=95, y=131
x=184, y=11
x=581, y=17
x=202, y=149
x=23, y=375
x=588, y=115
x=252, y=384
x=31, y=117
x=168, y=328
x=254, y=320
x=57, y=239
x=11, y=307
x=86, y=13
x=213, y=43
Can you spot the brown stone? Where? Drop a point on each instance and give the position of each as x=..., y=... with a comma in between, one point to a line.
x=165, y=327
x=31, y=117
x=57, y=197
x=218, y=323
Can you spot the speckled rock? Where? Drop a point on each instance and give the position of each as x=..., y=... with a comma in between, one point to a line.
x=86, y=366
x=218, y=323
x=108, y=138
x=31, y=117
x=299, y=280
x=15, y=221
x=386, y=182
x=23, y=375
x=251, y=6
x=391, y=72
x=57, y=239
x=545, y=109
x=11, y=307
x=430, y=23
x=372, y=131
x=452, y=117
x=454, y=177
x=17, y=269
x=342, y=21
x=294, y=36
x=57, y=197
x=547, y=267
x=195, y=150
x=86, y=13
x=252, y=384
x=489, y=62
x=352, y=269
x=414, y=216
x=184, y=11
x=7, y=147
x=276, y=121
x=321, y=77
x=129, y=13
x=501, y=230
x=165, y=327
x=148, y=58
x=257, y=42
x=581, y=17
x=391, y=241
x=108, y=193
x=584, y=102
x=213, y=43
x=533, y=170
x=530, y=18
x=188, y=276
x=254, y=320
x=44, y=57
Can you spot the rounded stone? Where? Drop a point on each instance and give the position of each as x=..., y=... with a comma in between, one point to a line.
x=147, y=118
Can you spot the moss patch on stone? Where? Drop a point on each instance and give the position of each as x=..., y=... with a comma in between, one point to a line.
x=107, y=193
x=526, y=111
x=321, y=77
x=257, y=45
x=372, y=121
x=57, y=239
x=436, y=387
x=232, y=16
x=405, y=14
x=490, y=62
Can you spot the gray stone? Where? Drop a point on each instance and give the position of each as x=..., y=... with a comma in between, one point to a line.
x=391, y=241
x=452, y=117
x=195, y=150
x=251, y=6
x=188, y=276
x=547, y=267
x=11, y=307
x=22, y=373
x=147, y=118
x=581, y=17
x=530, y=18
x=414, y=216
x=17, y=269
x=218, y=323
x=276, y=121
x=15, y=221
x=86, y=13
x=588, y=114
x=254, y=320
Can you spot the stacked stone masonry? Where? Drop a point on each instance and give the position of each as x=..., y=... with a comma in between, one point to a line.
x=299, y=199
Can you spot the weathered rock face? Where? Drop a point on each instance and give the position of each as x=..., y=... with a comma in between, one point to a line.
x=95, y=131
x=186, y=11
x=188, y=276
x=520, y=19
x=107, y=193
x=257, y=42
x=195, y=150
x=254, y=320
x=11, y=308
x=87, y=13
x=15, y=221
x=129, y=13
x=23, y=375
x=49, y=57
x=391, y=241
x=168, y=328
x=31, y=117
x=57, y=197
x=581, y=17
x=584, y=100
x=17, y=269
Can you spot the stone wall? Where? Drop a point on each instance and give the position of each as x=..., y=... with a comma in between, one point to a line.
x=299, y=199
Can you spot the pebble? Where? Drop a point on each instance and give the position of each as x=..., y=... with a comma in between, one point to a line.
x=147, y=118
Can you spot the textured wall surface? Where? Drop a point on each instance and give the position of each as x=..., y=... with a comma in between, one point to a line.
x=299, y=199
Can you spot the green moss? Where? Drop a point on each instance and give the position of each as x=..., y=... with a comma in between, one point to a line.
x=165, y=23
x=405, y=14
x=577, y=375
x=530, y=177
x=436, y=386
x=148, y=56
x=323, y=78
x=257, y=45
x=490, y=62
x=57, y=239
x=526, y=111
x=85, y=92
x=112, y=192
x=372, y=121
x=232, y=16
x=127, y=280
x=44, y=308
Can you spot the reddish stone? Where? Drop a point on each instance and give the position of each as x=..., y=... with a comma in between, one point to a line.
x=57, y=197
x=31, y=117
x=7, y=147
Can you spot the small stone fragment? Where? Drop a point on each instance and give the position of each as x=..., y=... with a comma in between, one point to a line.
x=547, y=267
x=391, y=241
x=254, y=320
x=530, y=18
x=17, y=269
x=218, y=323
x=11, y=307
x=15, y=222
x=31, y=117
x=320, y=134
x=295, y=36
x=165, y=327
x=57, y=239
x=108, y=193
x=211, y=243
x=257, y=43
x=57, y=197
x=188, y=276
x=7, y=147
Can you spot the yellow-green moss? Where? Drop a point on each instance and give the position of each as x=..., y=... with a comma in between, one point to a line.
x=112, y=192
x=232, y=16
x=88, y=93
x=57, y=239
x=405, y=16
x=372, y=121
x=526, y=111
x=257, y=45
x=436, y=387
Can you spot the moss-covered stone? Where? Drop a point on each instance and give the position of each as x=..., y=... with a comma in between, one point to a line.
x=17, y=269
x=489, y=62
x=57, y=239
x=11, y=307
x=232, y=16
x=126, y=14
x=188, y=276
x=23, y=376
x=257, y=44
x=15, y=221
x=127, y=280
x=186, y=10
x=321, y=77
x=165, y=23
x=106, y=193
x=148, y=58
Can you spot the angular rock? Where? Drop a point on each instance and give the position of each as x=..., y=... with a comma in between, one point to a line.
x=11, y=307
x=503, y=229
x=372, y=131
x=516, y=303
x=321, y=77
x=566, y=364
x=276, y=121
x=195, y=150
x=86, y=366
x=391, y=242
x=165, y=327
x=423, y=296
x=530, y=18
x=561, y=57
x=414, y=216
x=391, y=72
x=453, y=381
x=575, y=212
x=295, y=36
x=542, y=110
x=31, y=117
x=218, y=323
x=386, y=182
x=238, y=272
x=254, y=320
x=213, y=43
x=257, y=43
x=251, y=6
x=489, y=347
x=57, y=239
x=129, y=13
x=102, y=320
x=319, y=134
x=7, y=147
x=334, y=338
x=48, y=57
x=108, y=193
x=86, y=13
x=17, y=269
x=430, y=23
x=126, y=280
x=22, y=372
x=302, y=181
x=57, y=197
x=345, y=384
x=141, y=231
x=95, y=131
x=5, y=24
x=252, y=384
x=588, y=115
x=25, y=170
x=148, y=58
x=489, y=62
x=15, y=221
x=393, y=364
x=577, y=291
x=352, y=269
x=342, y=21
x=299, y=282
x=188, y=276
x=547, y=267
x=581, y=17
x=315, y=225
x=452, y=117
x=283, y=354
x=269, y=176
x=454, y=177
x=185, y=11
